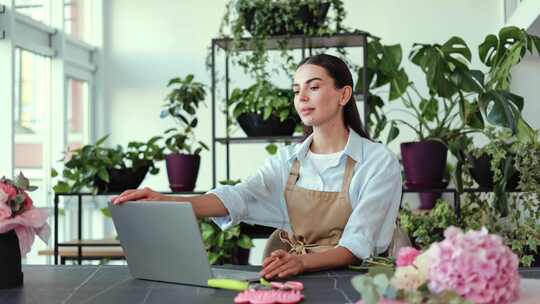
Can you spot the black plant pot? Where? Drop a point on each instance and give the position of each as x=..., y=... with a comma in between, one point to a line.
x=254, y=125
x=122, y=180
x=314, y=19
x=240, y=256
x=11, y=275
x=483, y=175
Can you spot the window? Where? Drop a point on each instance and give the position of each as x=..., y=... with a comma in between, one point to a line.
x=38, y=10
x=32, y=107
x=77, y=16
x=77, y=113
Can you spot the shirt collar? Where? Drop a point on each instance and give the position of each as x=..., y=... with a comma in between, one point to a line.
x=353, y=148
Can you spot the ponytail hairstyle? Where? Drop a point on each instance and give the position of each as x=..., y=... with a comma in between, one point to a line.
x=339, y=72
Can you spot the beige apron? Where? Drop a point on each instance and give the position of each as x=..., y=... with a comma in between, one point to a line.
x=317, y=218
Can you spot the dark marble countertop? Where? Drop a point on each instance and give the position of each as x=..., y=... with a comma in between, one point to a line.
x=113, y=284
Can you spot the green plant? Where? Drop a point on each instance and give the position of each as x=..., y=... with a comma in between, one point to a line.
x=263, y=18
x=425, y=227
x=264, y=99
x=222, y=246
x=182, y=104
x=84, y=166
x=460, y=99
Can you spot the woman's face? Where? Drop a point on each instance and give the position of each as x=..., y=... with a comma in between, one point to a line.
x=316, y=98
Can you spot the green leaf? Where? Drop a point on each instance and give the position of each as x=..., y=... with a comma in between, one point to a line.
x=456, y=45
x=488, y=49
x=245, y=242
x=502, y=108
x=106, y=212
x=393, y=133
x=365, y=286
x=54, y=173
x=61, y=187
x=399, y=84
x=103, y=174
x=101, y=140
x=271, y=149
x=429, y=109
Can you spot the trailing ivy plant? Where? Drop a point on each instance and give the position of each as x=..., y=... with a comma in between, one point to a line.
x=261, y=19
x=425, y=227
x=182, y=104
x=222, y=246
x=85, y=166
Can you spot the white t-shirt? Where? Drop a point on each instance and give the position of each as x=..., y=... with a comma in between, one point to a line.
x=321, y=162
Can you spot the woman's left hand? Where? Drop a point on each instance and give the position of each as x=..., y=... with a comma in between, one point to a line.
x=282, y=264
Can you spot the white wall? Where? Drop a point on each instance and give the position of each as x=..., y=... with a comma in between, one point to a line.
x=153, y=41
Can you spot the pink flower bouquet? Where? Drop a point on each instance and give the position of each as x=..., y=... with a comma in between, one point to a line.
x=472, y=267
x=17, y=212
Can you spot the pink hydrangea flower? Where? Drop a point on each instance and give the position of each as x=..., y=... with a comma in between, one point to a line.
x=477, y=265
x=406, y=256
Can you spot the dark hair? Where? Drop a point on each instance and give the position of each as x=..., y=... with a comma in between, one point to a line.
x=338, y=70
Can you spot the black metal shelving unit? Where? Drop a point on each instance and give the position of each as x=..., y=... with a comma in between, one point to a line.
x=294, y=42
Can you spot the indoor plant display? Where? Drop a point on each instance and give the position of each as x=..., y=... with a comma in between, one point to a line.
x=183, y=161
x=264, y=110
x=262, y=19
x=459, y=99
x=106, y=170
x=20, y=221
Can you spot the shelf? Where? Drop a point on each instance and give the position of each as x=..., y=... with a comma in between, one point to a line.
x=258, y=139
x=300, y=41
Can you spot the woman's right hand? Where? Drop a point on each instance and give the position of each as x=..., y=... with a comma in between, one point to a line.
x=145, y=194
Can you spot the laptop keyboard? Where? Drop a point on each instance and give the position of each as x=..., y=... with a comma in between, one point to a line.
x=220, y=273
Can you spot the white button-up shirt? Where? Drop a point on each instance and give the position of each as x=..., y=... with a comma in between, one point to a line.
x=374, y=193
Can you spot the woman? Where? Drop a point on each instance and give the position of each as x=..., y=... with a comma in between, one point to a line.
x=334, y=197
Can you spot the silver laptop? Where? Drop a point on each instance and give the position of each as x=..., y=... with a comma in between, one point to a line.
x=162, y=242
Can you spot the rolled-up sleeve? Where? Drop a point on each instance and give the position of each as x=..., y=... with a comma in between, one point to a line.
x=371, y=224
x=257, y=200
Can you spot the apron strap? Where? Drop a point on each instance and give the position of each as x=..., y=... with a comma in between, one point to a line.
x=347, y=176
x=294, y=174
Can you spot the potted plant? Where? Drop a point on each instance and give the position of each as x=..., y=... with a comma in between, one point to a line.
x=106, y=170
x=261, y=19
x=425, y=227
x=183, y=161
x=264, y=110
x=501, y=53
x=225, y=247
x=459, y=102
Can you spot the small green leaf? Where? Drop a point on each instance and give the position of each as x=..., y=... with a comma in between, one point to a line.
x=271, y=149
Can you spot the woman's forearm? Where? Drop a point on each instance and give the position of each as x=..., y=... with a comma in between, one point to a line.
x=333, y=258
x=206, y=205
